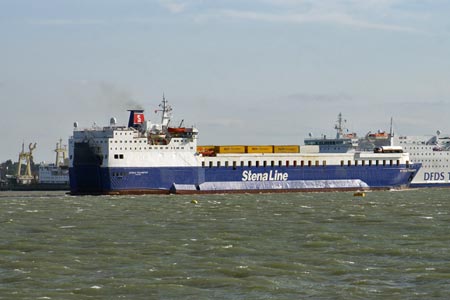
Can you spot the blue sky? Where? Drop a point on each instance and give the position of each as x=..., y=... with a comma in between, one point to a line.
x=243, y=72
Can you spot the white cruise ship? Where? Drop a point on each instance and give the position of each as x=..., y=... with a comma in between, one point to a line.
x=433, y=152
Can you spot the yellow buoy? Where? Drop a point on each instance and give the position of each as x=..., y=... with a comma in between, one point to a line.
x=359, y=194
x=194, y=201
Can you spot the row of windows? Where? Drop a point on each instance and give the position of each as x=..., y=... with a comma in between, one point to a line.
x=414, y=142
x=149, y=148
x=135, y=141
x=324, y=142
x=124, y=133
x=301, y=163
x=141, y=141
x=433, y=160
x=122, y=141
x=420, y=148
x=433, y=167
x=120, y=156
x=429, y=154
x=429, y=148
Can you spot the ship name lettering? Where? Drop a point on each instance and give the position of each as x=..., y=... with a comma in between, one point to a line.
x=264, y=176
x=138, y=173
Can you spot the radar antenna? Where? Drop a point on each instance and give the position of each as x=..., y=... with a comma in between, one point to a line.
x=166, y=110
x=339, y=126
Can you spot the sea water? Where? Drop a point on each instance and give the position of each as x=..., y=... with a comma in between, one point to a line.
x=386, y=245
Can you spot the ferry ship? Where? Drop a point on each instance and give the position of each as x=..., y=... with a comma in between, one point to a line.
x=56, y=174
x=431, y=151
x=146, y=157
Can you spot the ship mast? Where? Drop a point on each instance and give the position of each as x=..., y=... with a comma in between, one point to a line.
x=339, y=126
x=166, y=110
x=391, y=134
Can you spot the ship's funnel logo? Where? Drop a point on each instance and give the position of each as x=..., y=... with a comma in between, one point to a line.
x=136, y=118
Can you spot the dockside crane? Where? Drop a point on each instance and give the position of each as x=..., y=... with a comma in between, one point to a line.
x=25, y=158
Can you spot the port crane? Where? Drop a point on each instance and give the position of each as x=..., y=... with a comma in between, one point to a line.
x=25, y=158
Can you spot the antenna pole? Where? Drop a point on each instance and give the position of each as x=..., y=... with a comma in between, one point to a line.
x=391, y=133
x=338, y=126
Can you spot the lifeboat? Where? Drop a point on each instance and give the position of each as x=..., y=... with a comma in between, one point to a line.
x=350, y=135
x=177, y=129
x=378, y=135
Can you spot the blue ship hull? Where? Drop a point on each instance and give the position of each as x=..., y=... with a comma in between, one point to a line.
x=430, y=185
x=89, y=179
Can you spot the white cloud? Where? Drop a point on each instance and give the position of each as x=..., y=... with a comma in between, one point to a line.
x=336, y=18
x=387, y=15
x=174, y=7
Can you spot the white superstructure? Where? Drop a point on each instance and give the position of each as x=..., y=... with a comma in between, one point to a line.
x=433, y=152
x=58, y=172
x=142, y=143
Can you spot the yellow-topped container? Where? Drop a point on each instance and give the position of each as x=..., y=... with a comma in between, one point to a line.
x=286, y=149
x=229, y=149
x=258, y=149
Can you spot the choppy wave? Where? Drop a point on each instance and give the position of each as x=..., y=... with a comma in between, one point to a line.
x=268, y=246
